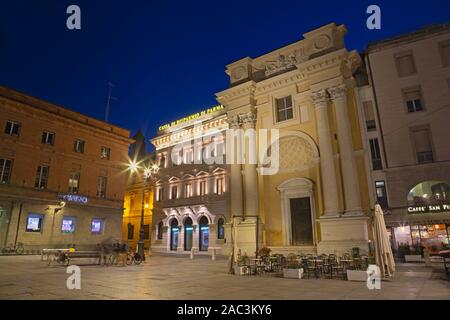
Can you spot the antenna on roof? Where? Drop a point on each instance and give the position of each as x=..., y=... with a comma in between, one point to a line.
x=108, y=103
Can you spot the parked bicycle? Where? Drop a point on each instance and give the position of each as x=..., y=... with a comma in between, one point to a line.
x=133, y=257
x=11, y=249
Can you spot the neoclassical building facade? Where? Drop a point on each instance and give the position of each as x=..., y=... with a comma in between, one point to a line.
x=318, y=199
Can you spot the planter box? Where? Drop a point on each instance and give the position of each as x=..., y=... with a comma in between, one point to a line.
x=357, y=275
x=241, y=271
x=413, y=258
x=293, y=273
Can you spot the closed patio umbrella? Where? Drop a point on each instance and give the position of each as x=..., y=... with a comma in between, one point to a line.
x=383, y=251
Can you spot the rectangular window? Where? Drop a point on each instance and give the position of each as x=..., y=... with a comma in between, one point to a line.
x=370, y=116
x=413, y=99
x=105, y=153
x=34, y=222
x=220, y=185
x=188, y=190
x=42, y=177
x=376, y=154
x=78, y=146
x=405, y=64
x=380, y=188
x=5, y=170
x=101, y=188
x=284, y=110
x=444, y=49
x=97, y=226
x=188, y=156
x=68, y=225
x=130, y=233
x=174, y=192
x=12, y=128
x=422, y=144
x=202, y=188
x=162, y=161
x=160, y=194
x=146, y=232
x=48, y=138
x=74, y=182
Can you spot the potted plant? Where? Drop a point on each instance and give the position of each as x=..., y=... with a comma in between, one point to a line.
x=415, y=254
x=241, y=267
x=292, y=270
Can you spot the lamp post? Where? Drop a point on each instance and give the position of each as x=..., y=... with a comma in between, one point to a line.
x=147, y=174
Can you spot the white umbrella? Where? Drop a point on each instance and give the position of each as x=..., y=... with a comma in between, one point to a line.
x=383, y=251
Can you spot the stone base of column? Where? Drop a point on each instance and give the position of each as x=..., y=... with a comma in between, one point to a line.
x=340, y=235
x=245, y=234
x=354, y=213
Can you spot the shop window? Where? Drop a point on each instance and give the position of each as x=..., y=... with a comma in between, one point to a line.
x=160, y=230
x=97, y=226
x=375, y=154
x=130, y=231
x=429, y=193
x=284, y=110
x=68, y=225
x=380, y=188
x=48, y=138
x=188, y=234
x=12, y=128
x=5, y=170
x=34, y=222
x=221, y=229
x=203, y=234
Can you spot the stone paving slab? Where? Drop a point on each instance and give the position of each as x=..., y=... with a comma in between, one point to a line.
x=162, y=277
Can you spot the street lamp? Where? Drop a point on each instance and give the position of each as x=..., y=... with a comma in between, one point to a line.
x=148, y=173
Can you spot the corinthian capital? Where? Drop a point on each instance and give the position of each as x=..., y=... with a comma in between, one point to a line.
x=234, y=122
x=338, y=92
x=319, y=97
x=248, y=118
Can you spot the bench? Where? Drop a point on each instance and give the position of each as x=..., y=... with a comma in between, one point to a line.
x=51, y=252
x=64, y=257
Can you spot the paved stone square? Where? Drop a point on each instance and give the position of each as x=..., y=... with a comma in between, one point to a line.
x=162, y=277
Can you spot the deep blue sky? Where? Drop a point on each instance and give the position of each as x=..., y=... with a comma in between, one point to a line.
x=167, y=58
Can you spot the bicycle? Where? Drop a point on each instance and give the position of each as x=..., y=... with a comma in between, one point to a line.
x=18, y=249
x=133, y=258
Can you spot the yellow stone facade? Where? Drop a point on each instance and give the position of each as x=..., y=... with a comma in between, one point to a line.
x=321, y=150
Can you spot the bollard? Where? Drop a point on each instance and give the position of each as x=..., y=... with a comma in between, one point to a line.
x=192, y=253
x=213, y=254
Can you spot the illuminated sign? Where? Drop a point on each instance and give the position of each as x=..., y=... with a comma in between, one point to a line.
x=191, y=117
x=429, y=208
x=73, y=198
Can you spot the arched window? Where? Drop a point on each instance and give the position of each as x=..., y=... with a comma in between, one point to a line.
x=188, y=232
x=160, y=230
x=203, y=234
x=220, y=229
x=174, y=235
x=429, y=193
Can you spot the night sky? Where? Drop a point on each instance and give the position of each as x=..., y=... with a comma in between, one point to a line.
x=167, y=58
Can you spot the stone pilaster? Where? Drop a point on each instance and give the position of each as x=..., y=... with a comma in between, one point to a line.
x=235, y=174
x=328, y=171
x=348, y=164
x=250, y=174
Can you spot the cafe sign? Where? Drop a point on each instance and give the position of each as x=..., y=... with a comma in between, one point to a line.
x=74, y=198
x=429, y=208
